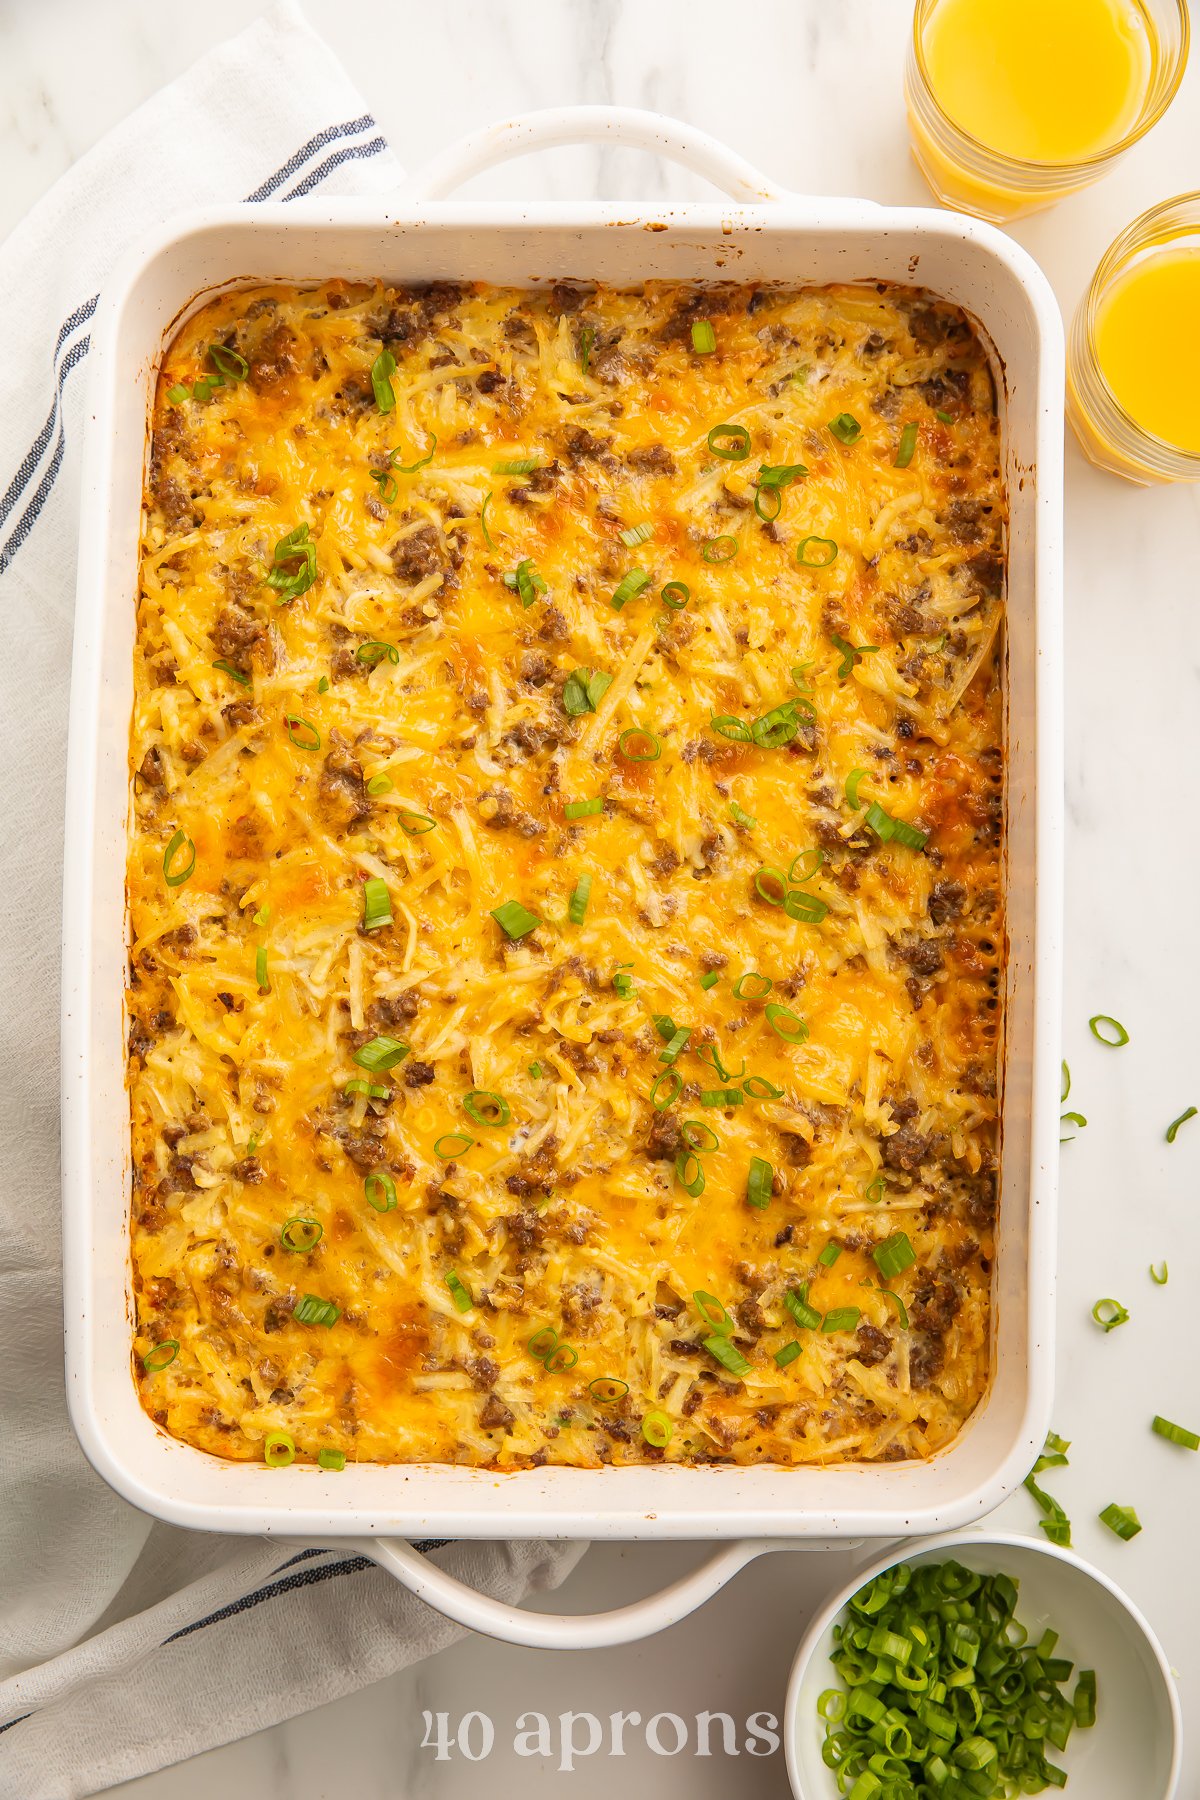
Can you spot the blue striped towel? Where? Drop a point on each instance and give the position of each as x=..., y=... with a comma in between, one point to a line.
x=125, y=1644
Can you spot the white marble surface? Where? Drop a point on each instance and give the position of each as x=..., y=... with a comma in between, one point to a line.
x=810, y=90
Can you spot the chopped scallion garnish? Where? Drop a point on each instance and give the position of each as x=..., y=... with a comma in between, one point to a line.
x=894, y=1254
x=301, y=1234
x=382, y=370
x=846, y=428
x=759, y=1182
x=577, y=908
x=719, y=549
x=377, y=903
x=460, y=1293
x=380, y=1054
x=380, y=1191
x=581, y=809
x=331, y=1459
x=1175, y=1434
x=704, y=338
x=908, y=443
x=175, y=877
x=515, y=921
x=1108, y=1314
x=487, y=1108
x=636, y=745
x=730, y=442
x=1107, y=1030
x=1173, y=1127
x=1122, y=1520
x=313, y=1310
x=628, y=588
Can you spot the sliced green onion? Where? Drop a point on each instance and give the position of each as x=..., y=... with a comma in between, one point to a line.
x=460, y=1293
x=726, y=1096
x=294, y=564
x=727, y=1354
x=660, y=1099
x=587, y=338
x=726, y=726
x=1084, y=1702
x=517, y=465
x=1066, y=1082
x=806, y=909
x=310, y=738
x=908, y=443
x=786, y=1024
x=177, y=877
x=719, y=549
x=411, y=468
x=676, y=595
x=578, y=809
x=608, y=1388
x=313, y=1310
x=515, y=920
x=846, y=428
x=261, y=974
x=633, y=535
x=752, y=986
x=842, y=1318
x=1159, y=1280
x=690, y=1173
x=376, y=651
x=377, y=903
x=852, y=781
x=331, y=1459
x=381, y=784
x=945, y=417
x=825, y=554
x=386, y=483
x=628, y=588
x=874, y=1191
x=372, y=1090
x=730, y=442
x=698, y=1136
x=583, y=691
x=415, y=824
x=178, y=394
x=486, y=1108
x=543, y=1343
x=908, y=835
x=830, y=1254
x=757, y=1087
x=526, y=581
x=1173, y=1127
x=380, y=1191
x=704, y=338
x=897, y=1302
x=712, y=1311
x=483, y=524
x=380, y=1054
x=452, y=1144
x=278, y=1450
x=1108, y=1314
x=263, y=916
x=787, y=1353
x=768, y=503
x=382, y=370
x=760, y=1182
x=796, y=1302
x=622, y=981
x=894, y=1255
x=161, y=1355
x=675, y=1043
x=1121, y=1519
x=657, y=1429
x=778, y=475
x=230, y=365
x=301, y=1234
x=1119, y=1036
x=636, y=745
x=770, y=884
x=578, y=905
x=1071, y=1118
x=1056, y=1524
x=740, y=817
x=776, y=728
x=800, y=870
x=560, y=1359
x=710, y=980
x=1175, y=1434
x=235, y=674
x=850, y=654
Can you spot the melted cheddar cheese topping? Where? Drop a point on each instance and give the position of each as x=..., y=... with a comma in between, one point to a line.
x=705, y=1220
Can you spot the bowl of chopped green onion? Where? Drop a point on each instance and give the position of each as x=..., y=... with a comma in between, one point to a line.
x=971, y=1666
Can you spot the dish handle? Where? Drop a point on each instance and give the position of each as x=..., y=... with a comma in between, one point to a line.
x=566, y=1631
x=627, y=126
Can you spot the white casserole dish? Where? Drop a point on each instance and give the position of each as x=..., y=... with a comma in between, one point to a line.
x=765, y=235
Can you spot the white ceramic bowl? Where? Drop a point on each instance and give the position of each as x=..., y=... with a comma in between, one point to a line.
x=1134, y=1750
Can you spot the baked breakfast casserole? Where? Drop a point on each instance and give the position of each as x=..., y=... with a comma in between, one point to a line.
x=565, y=876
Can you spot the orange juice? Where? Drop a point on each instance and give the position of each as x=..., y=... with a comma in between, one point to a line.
x=1044, y=81
x=1148, y=344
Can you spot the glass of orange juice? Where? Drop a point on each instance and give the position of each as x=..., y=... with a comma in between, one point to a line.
x=1133, y=361
x=1014, y=103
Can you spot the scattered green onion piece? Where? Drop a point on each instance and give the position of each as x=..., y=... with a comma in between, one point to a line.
x=178, y=394
x=380, y=1191
x=313, y=1310
x=1054, y=1453
x=727, y=1354
x=380, y=784
x=622, y=980
x=1159, y=1280
x=676, y=595
x=560, y=1359
x=1071, y=1118
x=331, y=1459
x=842, y=1318
x=415, y=824
x=380, y=1054
x=1175, y=1434
x=517, y=465
x=578, y=809
x=452, y=1144
x=730, y=442
x=770, y=884
x=1066, y=1082
x=759, y=1182
x=846, y=428
x=261, y=974
x=787, y=1353
x=805, y=909
x=577, y=908
x=263, y=916
x=719, y=549
x=301, y=1234
x=852, y=781
x=323, y=685
x=776, y=728
x=608, y=1388
x=377, y=903
x=657, y=1429
x=908, y=443
x=1056, y=1525
x=628, y=588
x=372, y=1090
x=779, y=475
x=704, y=338
x=636, y=745
x=1121, y=1519
x=818, y=561
x=1084, y=1702
x=726, y=1096
x=908, y=835
x=386, y=483
x=543, y=1343
x=294, y=564
x=1173, y=1127
x=460, y=1293
x=757, y=1087
x=800, y=873
x=712, y=1311
x=897, y=1302
x=515, y=920
x=483, y=524
x=945, y=417
x=526, y=581
x=690, y=1173
x=698, y=1136
x=660, y=1099
x=160, y=1356
x=1108, y=1314
x=278, y=1450
x=786, y=1024
x=235, y=674
x=536, y=1070
x=752, y=986
x=633, y=535
x=177, y=877
x=230, y=365
x=675, y=1043
x=587, y=338
x=726, y=726
x=874, y=1190
x=375, y=652
x=382, y=370
x=894, y=1255
x=583, y=691
x=310, y=739
x=1103, y=1019
x=710, y=980
x=768, y=503
x=741, y=817
x=850, y=654
x=487, y=1108
x=830, y=1254
x=806, y=1316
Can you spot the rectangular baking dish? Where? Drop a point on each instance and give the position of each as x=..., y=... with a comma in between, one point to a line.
x=764, y=236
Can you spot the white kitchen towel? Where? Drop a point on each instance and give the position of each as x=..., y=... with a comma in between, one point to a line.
x=126, y=1645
